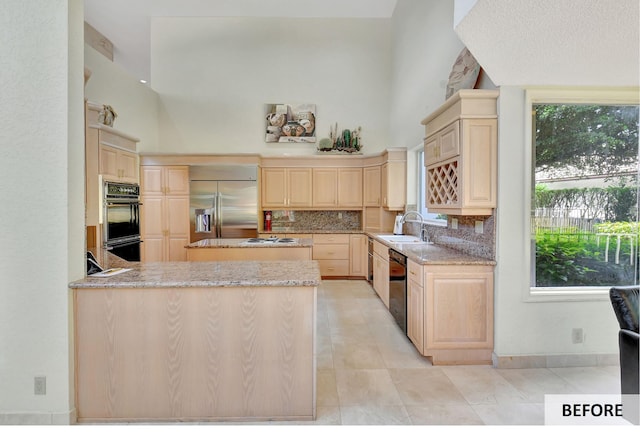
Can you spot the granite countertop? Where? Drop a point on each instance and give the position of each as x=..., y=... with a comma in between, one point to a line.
x=431, y=254
x=241, y=243
x=209, y=274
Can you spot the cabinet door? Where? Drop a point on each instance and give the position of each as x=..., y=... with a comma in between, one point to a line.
x=449, y=141
x=274, y=187
x=415, y=304
x=151, y=180
x=325, y=187
x=300, y=187
x=458, y=308
x=384, y=185
x=415, y=314
x=394, y=185
x=371, y=186
x=350, y=187
x=431, y=147
x=108, y=161
x=128, y=166
x=176, y=180
x=153, y=232
x=381, y=278
x=358, y=256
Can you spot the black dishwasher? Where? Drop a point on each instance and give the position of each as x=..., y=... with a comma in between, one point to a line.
x=398, y=288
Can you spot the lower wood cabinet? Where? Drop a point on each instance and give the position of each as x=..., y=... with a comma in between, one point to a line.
x=332, y=253
x=415, y=304
x=358, y=255
x=165, y=228
x=381, y=271
x=450, y=316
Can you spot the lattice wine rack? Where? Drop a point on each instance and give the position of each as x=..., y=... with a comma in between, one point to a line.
x=442, y=184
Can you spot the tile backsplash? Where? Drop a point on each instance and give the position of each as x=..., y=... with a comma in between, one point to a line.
x=315, y=220
x=464, y=238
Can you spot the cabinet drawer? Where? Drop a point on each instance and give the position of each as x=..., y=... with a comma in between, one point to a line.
x=415, y=273
x=334, y=267
x=331, y=239
x=332, y=252
x=381, y=250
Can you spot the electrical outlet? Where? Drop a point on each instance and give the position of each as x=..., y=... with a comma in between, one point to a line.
x=577, y=335
x=339, y=215
x=454, y=223
x=40, y=385
x=479, y=227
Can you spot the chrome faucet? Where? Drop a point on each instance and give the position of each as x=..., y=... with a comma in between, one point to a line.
x=424, y=236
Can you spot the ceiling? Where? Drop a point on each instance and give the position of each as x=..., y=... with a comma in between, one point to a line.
x=127, y=23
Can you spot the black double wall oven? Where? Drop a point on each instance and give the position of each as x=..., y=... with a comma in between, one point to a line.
x=122, y=220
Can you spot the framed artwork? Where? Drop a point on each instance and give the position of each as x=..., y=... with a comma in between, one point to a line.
x=286, y=123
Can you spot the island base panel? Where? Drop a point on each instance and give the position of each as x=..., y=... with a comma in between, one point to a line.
x=223, y=353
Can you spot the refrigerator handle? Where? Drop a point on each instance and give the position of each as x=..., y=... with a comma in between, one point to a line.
x=217, y=211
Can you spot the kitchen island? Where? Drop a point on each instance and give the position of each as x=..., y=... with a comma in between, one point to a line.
x=197, y=341
x=250, y=249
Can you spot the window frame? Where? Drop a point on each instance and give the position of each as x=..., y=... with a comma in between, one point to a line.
x=421, y=175
x=604, y=96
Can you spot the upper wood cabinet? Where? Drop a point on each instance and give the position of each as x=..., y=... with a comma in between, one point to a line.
x=160, y=180
x=286, y=188
x=393, y=181
x=337, y=188
x=442, y=146
x=371, y=186
x=118, y=164
x=461, y=147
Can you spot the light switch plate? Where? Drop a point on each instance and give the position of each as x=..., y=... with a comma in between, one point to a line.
x=479, y=227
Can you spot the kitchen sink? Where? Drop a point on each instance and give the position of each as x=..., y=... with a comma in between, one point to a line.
x=401, y=239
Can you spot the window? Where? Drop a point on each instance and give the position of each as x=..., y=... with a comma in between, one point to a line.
x=432, y=218
x=584, y=210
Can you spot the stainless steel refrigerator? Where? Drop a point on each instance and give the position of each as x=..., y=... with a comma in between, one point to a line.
x=224, y=202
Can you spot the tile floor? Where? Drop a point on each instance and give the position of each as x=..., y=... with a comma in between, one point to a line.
x=370, y=373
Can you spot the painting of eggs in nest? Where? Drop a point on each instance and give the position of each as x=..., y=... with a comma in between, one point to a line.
x=287, y=123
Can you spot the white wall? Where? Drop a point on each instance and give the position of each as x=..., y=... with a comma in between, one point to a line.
x=524, y=327
x=424, y=50
x=214, y=76
x=135, y=103
x=41, y=190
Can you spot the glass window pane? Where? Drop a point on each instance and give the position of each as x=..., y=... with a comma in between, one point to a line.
x=585, y=199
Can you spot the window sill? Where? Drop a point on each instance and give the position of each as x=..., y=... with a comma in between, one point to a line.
x=568, y=294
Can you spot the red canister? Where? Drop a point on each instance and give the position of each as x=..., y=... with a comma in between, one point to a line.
x=267, y=221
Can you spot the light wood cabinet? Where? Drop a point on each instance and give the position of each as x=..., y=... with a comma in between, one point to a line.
x=461, y=154
x=393, y=180
x=358, y=256
x=415, y=304
x=371, y=193
x=442, y=146
x=161, y=180
x=381, y=271
x=450, y=312
x=350, y=188
x=117, y=164
x=164, y=213
x=283, y=188
x=337, y=188
x=332, y=251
